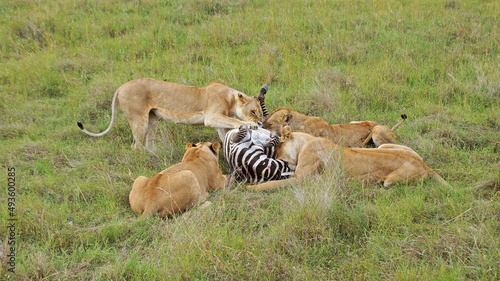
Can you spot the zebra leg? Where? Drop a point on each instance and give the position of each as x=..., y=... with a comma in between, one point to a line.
x=271, y=144
x=273, y=141
x=243, y=129
x=262, y=101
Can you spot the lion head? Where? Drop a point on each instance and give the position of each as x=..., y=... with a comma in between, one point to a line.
x=278, y=119
x=248, y=109
x=202, y=150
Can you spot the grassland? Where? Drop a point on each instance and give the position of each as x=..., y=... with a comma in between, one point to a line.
x=437, y=61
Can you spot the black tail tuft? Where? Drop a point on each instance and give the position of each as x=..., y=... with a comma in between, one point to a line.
x=80, y=125
x=404, y=116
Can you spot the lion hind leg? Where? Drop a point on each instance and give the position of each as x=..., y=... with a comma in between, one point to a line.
x=139, y=126
x=405, y=173
x=149, y=211
x=136, y=198
x=178, y=193
x=151, y=129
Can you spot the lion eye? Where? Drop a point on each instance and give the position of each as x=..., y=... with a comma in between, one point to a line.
x=254, y=113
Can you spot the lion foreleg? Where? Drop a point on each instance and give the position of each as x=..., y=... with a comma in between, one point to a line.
x=224, y=123
x=219, y=120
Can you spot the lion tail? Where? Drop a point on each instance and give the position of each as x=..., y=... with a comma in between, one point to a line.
x=113, y=118
x=403, y=118
x=439, y=179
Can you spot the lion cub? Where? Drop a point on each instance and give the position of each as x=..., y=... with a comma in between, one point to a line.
x=181, y=186
x=387, y=164
x=354, y=134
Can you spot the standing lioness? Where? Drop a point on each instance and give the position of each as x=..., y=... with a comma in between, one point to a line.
x=181, y=186
x=145, y=101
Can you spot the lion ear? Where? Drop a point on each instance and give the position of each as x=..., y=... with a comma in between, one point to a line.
x=215, y=147
x=189, y=145
x=287, y=134
x=287, y=118
x=241, y=98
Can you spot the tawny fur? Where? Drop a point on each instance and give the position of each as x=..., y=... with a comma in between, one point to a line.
x=181, y=186
x=145, y=101
x=388, y=164
x=354, y=134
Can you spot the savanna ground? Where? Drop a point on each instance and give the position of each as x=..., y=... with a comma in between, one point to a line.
x=437, y=61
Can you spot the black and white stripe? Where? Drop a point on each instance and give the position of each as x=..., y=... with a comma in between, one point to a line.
x=262, y=101
x=250, y=155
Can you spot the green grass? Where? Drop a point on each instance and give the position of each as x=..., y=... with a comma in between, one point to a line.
x=437, y=61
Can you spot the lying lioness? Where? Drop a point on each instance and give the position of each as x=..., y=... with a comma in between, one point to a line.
x=387, y=164
x=145, y=101
x=181, y=186
x=354, y=134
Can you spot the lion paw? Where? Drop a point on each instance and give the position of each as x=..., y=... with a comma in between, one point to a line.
x=252, y=125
